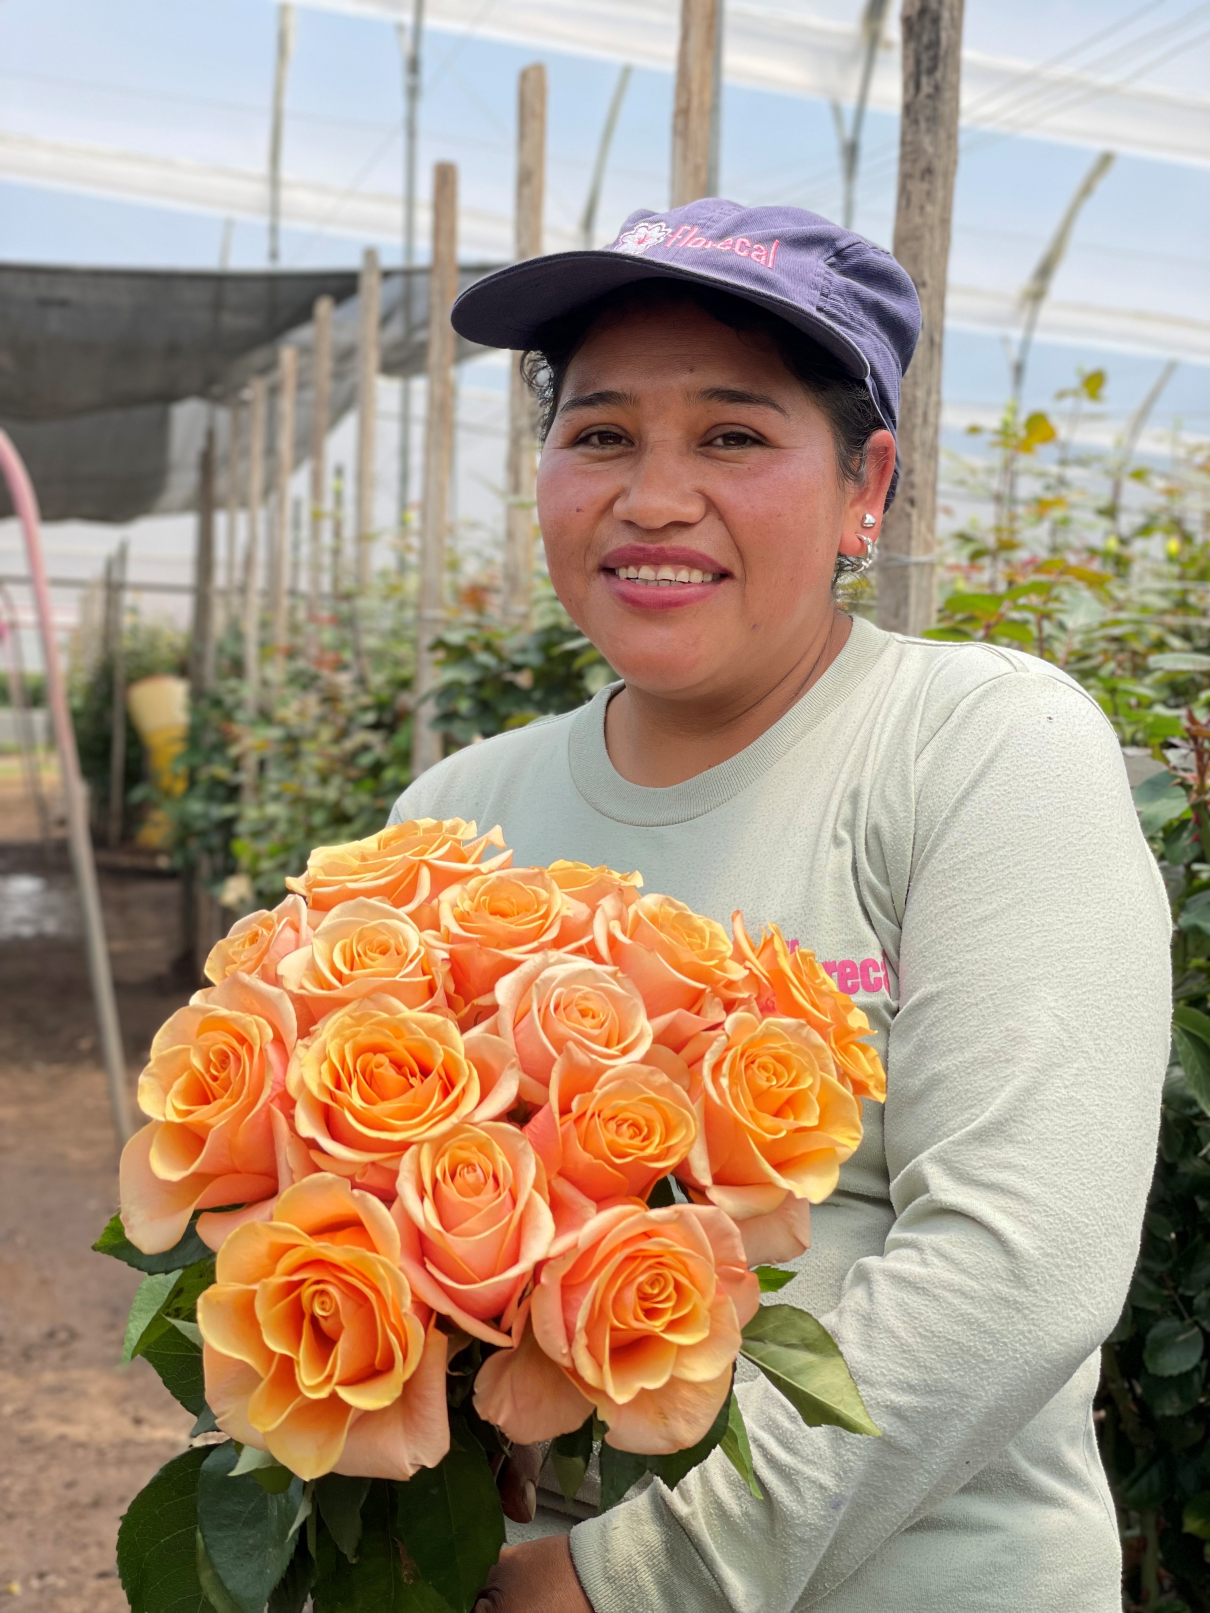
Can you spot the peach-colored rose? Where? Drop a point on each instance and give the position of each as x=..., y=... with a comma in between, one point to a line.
x=776, y=1127
x=492, y=923
x=376, y=1077
x=474, y=1220
x=407, y=865
x=681, y=963
x=613, y=1132
x=554, y=1006
x=360, y=949
x=314, y=1348
x=209, y=1085
x=256, y=945
x=793, y=984
x=593, y=885
x=642, y=1318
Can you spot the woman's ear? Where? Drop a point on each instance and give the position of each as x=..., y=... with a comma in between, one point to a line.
x=867, y=501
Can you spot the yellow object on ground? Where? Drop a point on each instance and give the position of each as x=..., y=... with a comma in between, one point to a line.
x=159, y=710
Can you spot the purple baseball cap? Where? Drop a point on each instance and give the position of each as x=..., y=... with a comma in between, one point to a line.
x=844, y=292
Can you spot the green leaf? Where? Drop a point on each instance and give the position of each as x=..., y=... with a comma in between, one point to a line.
x=340, y=1502
x=145, y=1307
x=450, y=1519
x=772, y=1278
x=1191, y=1039
x=246, y=1530
x=157, y=1560
x=1172, y=1346
x=290, y=1593
x=250, y=1459
x=1159, y=800
x=178, y=1360
x=1179, y=661
x=801, y=1359
x=381, y=1580
x=1195, y=915
x=735, y=1447
x=1148, y=1484
x=673, y=1467
x=1195, y=1520
x=1174, y=1396
x=216, y=1593
x=620, y=1471
x=113, y=1241
x=570, y=1455
x=1146, y=1293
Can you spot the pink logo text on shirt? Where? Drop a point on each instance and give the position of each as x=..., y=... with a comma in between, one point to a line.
x=870, y=975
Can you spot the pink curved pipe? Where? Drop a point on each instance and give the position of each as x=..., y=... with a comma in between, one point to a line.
x=25, y=504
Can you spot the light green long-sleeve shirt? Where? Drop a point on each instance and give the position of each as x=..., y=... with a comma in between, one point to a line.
x=949, y=828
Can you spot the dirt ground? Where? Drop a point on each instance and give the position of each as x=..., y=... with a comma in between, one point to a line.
x=79, y=1433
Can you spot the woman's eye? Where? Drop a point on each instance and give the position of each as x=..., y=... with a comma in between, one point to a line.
x=602, y=437
x=734, y=438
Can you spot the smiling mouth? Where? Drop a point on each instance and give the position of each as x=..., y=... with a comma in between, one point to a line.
x=666, y=576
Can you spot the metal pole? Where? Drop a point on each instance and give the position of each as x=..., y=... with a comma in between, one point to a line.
x=873, y=22
x=25, y=504
x=287, y=393
x=235, y=431
x=694, y=108
x=117, y=720
x=928, y=159
x=588, y=221
x=256, y=494
x=201, y=657
x=321, y=391
x=369, y=291
x=285, y=48
x=438, y=444
x=522, y=438
x=411, y=44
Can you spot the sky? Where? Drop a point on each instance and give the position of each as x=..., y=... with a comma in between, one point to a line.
x=192, y=79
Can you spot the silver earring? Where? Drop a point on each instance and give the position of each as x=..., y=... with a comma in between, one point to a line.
x=867, y=559
x=868, y=521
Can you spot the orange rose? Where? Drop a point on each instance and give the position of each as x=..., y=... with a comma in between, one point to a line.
x=554, y=1006
x=776, y=1127
x=313, y=1347
x=408, y=865
x=613, y=1133
x=474, y=1221
x=209, y=1085
x=681, y=963
x=374, y=1078
x=793, y=984
x=257, y=944
x=492, y=923
x=592, y=886
x=360, y=949
x=641, y=1321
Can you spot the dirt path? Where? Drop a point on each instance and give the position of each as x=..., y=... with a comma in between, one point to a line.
x=79, y=1433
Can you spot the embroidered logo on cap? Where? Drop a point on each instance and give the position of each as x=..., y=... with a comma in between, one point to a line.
x=651, y=232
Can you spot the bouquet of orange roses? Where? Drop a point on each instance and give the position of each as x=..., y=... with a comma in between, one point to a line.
x=453, y=1156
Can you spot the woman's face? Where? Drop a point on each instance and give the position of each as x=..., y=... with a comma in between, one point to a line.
x=691, y=506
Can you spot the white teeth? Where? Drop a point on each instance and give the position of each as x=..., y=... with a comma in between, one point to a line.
x=666, y=576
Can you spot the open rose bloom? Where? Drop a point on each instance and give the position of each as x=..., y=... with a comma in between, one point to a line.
x=463, y=1133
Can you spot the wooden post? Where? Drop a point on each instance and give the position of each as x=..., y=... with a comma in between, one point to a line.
x=931, y=32
x=369, y=290
x=235, y=431
x=522, y=436
x=321, y=394
x=201, y=648
x=287, y=393
x=117, y=723
x=338, y=534
x=438, y=448
x=695, y=108
x=256, y=494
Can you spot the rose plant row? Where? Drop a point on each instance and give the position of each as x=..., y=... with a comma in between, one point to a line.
x=454, y=1156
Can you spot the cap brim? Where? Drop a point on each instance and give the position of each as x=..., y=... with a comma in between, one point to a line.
x=510, y=307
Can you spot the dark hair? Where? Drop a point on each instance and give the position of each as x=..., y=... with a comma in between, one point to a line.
x=847, y=404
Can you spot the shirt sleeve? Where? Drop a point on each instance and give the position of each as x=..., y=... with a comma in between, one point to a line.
x=1024, y=1074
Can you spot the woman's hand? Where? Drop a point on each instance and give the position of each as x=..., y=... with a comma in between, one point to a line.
x=535, y=1578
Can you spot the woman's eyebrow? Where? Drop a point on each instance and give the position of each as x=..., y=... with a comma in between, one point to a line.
x=599, y=400
x=740, y=395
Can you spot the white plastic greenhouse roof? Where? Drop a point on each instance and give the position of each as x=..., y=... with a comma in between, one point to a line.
x=790, y=48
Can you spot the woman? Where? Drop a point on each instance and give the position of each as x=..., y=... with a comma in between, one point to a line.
x=948, y=826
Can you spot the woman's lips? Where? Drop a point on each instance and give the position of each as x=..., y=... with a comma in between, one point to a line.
x=645, y=587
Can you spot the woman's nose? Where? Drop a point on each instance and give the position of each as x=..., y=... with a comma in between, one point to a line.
x=659, y=490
